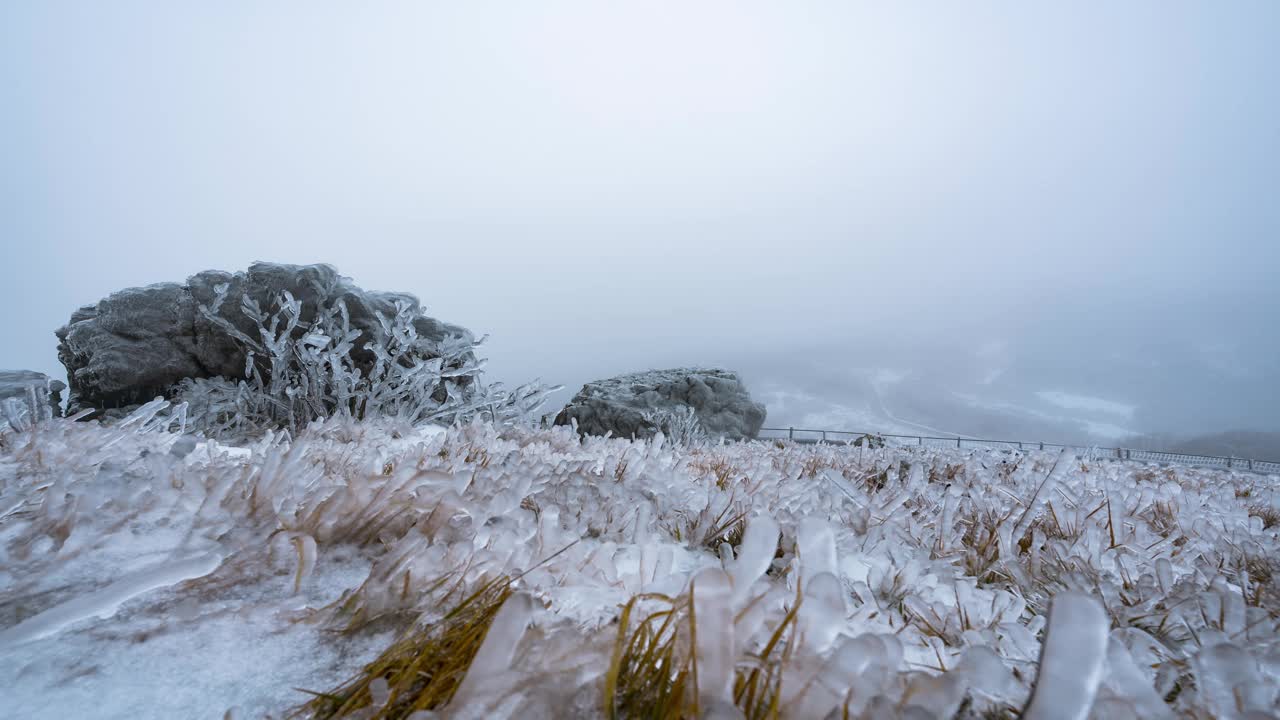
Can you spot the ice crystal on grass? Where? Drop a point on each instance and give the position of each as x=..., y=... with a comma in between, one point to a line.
x=428, y=666
x=640, y=579
x=306, y=364
x=1072, y=659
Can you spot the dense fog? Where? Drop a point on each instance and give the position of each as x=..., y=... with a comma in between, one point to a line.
x=980, y=219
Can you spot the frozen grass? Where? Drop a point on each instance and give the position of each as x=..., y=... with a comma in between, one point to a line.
x=422, y=670
x=304, y=364
x=501, y=572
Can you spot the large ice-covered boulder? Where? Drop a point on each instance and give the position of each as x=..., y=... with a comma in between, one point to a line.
x=139, y=342
x=633, y=405
x=18, y=385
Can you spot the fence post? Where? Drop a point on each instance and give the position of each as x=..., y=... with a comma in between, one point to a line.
x=1251, y=463
x=1228, y=463
x=824, y=436
x=1019, y=445
x=791, y=433
x=920, y=441
x=957, y=442
x=1041, y=444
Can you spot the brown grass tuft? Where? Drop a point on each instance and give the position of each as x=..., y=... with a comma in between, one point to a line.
x=650, y=672
x=653, y=674
x=423, y=669
x=757, y=689
x=1270, y=515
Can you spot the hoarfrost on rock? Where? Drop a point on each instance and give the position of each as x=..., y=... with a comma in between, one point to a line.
x=642, y=404
x=139, y=343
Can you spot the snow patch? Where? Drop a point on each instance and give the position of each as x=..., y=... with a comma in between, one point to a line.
x=1069, y=401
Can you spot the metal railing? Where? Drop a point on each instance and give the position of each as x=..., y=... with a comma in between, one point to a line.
x=805, y=435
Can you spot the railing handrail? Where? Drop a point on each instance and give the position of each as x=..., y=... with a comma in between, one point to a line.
x=1122, y=452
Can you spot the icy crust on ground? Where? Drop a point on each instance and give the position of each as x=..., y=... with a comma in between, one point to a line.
x=144, y=575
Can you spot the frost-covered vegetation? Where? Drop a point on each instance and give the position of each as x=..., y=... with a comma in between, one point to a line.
x=374, y=569
x=311, y=363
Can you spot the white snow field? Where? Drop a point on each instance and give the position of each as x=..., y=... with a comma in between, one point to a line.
x=142, y=579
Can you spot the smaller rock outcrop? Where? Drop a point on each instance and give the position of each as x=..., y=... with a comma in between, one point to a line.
x=635, y=405
x=17, y=384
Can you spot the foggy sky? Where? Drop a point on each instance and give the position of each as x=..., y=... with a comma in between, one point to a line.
x=608, y=186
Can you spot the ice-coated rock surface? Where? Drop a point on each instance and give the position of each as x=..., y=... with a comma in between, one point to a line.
x=15, y=383
x=138, y=343
x=626, y=405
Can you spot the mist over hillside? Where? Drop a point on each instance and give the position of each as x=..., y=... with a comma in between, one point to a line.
x=1108, y=368
x=1154, y=380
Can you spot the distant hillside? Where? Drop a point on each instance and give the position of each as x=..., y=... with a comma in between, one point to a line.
x=1235, y=443
x=1238, y=443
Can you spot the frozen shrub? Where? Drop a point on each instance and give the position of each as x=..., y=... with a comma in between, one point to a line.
x=297, y=371
x=679, y=424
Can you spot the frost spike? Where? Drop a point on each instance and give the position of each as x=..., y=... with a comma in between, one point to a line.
x=1071, y=659
x=817, y=547
x=755, y=555
x=493, y=659
x=713, y=635
x=305, y=546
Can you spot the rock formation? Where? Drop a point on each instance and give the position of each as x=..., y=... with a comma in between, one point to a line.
x=139, y=342
x=633, y=405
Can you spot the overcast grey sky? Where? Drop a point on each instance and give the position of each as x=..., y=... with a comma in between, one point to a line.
x=605, y=186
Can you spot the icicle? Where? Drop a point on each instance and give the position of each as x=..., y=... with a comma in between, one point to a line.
x=493, y=659
x=1123, y=674
x=1229, y=682
x=755, y=555
x=713, y=653
x=1071, y=660
x=725, y=552
x=643, y=515
x=305, y=546
x=986, y=673
x=823, y=613
x=1164, y=573
x=817, y=547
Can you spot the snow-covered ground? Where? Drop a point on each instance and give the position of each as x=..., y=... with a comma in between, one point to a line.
x=141, y=578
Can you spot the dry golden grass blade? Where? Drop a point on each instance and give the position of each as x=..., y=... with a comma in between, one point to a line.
x=652, y=672
x=730, y=530
x=758, y=692
x=424, y=668
x=649, y=674
x=353, y=613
